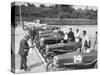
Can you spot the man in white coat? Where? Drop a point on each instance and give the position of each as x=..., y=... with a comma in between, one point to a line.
x=85, y=42
x=77, y=35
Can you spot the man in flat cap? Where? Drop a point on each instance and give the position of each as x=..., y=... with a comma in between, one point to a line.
x=23, y=52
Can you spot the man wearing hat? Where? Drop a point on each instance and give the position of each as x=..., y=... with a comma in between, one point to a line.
x=23, y=52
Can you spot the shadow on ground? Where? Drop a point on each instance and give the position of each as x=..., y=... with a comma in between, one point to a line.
x=35, y=65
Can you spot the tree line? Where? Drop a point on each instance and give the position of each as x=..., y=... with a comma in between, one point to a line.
x=55, y=11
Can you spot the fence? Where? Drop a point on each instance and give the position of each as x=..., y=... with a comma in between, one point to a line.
x=63, y=21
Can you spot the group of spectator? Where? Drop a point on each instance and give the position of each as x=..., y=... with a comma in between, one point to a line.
x=77, y=37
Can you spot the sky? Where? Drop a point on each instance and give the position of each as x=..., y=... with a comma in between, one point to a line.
x=84, y=7
x=48, y=4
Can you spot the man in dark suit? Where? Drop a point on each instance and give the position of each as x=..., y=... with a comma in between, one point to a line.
x=23, y=52
x=71, y=36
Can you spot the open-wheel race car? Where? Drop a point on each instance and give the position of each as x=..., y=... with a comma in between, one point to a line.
x=48, y=38
x=73, y=60
x=60, y=48
x=42, y=41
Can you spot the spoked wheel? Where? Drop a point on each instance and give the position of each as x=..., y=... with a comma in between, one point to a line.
x=49, y=56
x=51, y=67
x=43, y=52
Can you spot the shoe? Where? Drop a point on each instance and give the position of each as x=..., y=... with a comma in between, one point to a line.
x=21, y=68
x=27, y=69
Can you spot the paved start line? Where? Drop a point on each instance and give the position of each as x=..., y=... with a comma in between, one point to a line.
x=41, y=57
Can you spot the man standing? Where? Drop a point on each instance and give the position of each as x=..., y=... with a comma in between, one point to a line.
x=61, y=33
x=96, y=41
x=77, y=36
x=85, y=42
x=23, y=52
x=71, y=35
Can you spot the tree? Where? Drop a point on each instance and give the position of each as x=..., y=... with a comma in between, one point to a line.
x=67, y=8
x=31, y=5
x=42, y=5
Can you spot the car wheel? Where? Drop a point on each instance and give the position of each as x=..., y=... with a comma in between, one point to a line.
x=49, y=56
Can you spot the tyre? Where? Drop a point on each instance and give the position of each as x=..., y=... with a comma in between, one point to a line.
x=49, y=56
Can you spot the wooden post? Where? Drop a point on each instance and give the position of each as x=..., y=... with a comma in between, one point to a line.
x=20, y=16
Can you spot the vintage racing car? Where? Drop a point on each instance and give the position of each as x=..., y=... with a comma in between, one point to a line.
x=73, y=60
x=43, y=41
x=60, y=48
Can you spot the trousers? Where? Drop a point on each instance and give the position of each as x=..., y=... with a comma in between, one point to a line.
x=23, y=61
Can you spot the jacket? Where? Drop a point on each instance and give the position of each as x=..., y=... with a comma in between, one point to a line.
x=23, y=48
